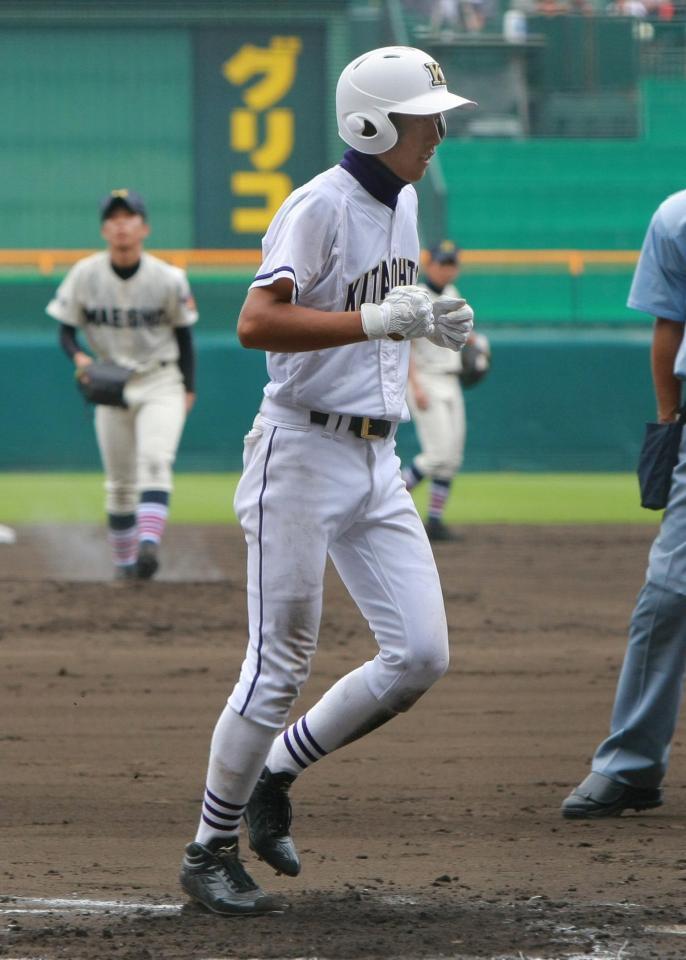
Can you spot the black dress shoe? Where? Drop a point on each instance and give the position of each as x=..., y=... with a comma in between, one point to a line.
x=599, y=796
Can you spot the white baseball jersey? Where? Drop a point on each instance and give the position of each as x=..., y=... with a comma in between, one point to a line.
x=131, y=321
x=341, y=247
x=429, y=357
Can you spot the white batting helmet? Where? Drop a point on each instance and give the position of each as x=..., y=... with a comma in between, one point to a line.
x=384, y=81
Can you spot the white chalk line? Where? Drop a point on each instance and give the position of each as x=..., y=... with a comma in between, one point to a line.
x=677, y=930
x=34, y=905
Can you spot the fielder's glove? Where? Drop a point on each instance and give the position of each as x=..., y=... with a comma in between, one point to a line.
x=454, y=322
x=103, y=383
x=405, y=314
x=476, y=360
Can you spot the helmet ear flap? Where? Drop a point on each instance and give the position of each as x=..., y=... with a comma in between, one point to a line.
x=369, y=132
x=361, y=126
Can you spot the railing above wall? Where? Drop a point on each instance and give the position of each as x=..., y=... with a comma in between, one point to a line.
x=574, y=262
x=49, y=261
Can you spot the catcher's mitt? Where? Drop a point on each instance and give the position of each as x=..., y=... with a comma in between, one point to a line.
x=476, y=360
x=103, y=383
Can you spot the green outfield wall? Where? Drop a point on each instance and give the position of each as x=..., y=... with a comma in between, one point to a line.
x=554, y=401
x=215, y=110
x=563, y=394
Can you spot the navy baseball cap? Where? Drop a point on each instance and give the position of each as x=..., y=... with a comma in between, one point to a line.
x=122, y=198
x=445, y=252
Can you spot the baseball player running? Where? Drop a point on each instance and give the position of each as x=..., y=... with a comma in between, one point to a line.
x=137, y=311
x=435, y=399
x=630, y=764
x=335, y=306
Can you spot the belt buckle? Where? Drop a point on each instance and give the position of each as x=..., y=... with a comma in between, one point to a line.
x=365, y=431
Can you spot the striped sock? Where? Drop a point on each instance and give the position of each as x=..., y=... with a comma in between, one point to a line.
x=222, y=818
x=438, y=496
x=411, y=476
x=346, y=712
x=122, y=535
x=153, y=509
x=237, y=754
x=295, y=749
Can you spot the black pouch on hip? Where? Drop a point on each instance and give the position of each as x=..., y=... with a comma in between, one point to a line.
x=657, y=459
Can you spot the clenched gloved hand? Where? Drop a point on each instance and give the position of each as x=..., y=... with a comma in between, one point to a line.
x=453, y=323
x=405, y=314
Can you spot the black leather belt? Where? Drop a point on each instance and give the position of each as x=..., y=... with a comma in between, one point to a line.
x=366, y=428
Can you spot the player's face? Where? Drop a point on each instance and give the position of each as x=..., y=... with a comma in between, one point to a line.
x=441, y=274
x=418, y=138
x=124, y=231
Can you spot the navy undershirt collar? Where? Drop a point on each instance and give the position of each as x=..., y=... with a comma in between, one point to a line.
x=126, y=272
x=374, y=176
x=433, y=286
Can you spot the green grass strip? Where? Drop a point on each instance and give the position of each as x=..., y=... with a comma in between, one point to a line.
x=475, y=498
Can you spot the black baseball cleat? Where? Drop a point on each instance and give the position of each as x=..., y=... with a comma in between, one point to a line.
x=148, y=562
x=599, y=796
x=213, y=876
x=127, y=571
x=437, y=531
x=268, y=815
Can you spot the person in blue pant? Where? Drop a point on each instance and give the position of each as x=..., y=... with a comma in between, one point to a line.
x=628, y=767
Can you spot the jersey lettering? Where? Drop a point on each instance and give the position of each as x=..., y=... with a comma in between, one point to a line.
x=374, y=285
x=120, y=318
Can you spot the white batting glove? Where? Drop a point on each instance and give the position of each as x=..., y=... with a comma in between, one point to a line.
x=454, y=322
x=405, y=314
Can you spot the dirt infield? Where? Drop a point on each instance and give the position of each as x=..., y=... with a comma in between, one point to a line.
x=438, y=835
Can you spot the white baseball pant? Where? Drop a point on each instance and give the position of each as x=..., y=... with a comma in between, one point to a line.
x=138, y=444
x=441, y=428
x=309, y=490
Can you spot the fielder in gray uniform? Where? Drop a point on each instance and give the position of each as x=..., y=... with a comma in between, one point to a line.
x=137, y=311
x=435, y=399
x=335, y=306
x=629, y=766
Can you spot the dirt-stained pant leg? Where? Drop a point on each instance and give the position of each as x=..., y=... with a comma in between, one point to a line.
x=386, y=563
x=282, y=503
x=384, y=559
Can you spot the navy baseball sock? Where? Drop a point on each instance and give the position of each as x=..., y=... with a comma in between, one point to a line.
x=412, y=476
